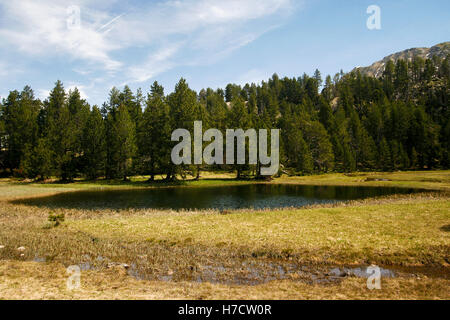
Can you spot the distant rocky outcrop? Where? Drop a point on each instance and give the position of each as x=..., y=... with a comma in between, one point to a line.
x=376, y=69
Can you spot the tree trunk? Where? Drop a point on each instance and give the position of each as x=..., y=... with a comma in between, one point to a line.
x=152, y=173
x=198, y=173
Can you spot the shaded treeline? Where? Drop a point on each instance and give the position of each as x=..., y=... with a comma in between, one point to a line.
x=399, y=121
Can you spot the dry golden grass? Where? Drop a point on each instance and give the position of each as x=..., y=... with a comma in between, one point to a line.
x=31, y=280
x=433, y=180
x=209, y=255
x=404, y=232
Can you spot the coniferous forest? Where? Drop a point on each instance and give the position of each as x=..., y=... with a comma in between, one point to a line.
x=349, y=122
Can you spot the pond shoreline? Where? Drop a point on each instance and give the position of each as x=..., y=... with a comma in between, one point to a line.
x=407, y=234
x=255, y=196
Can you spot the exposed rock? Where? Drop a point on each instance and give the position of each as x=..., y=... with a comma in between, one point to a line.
x=117, y=264
x=338, y=272
x=377, y=69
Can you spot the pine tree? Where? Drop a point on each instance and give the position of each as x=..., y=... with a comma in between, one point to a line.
x=414, y=159
x=319, y=145
x=217, y=109
x=318, y=78
x=384, y=155
x=388, y=78
x=201, y=114
x=182, y=103
x=325, y=113
x=124, y=143
x=327, y=92
x=238, y=118
x=349, y=162
x=94, y=145
x=396, y=156
x=109, y=113
x=401, y=81
x=357, y=122
x=59, y=134
x=405, y=163
x=20, y=114
x=154, y=133
x=232, y=91
x=296, y=149
x=79, y=112
x=130, y=101
x=342, y=141
x=37, y=160
x=362, y=145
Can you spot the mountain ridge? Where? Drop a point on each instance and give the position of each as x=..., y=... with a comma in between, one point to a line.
x=376, y=69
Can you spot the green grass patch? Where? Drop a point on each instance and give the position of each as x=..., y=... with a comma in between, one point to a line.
x=397, y=233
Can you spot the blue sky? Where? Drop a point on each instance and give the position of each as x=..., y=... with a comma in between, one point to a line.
x=208, y=42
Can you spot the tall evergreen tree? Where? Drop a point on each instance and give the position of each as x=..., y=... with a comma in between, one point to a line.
x=154, y=133
x=20, y=114
x=94, y=145
x=358, y=122
x=123, y=143
x=37, y=160
x=182, y=103
x=239, y=118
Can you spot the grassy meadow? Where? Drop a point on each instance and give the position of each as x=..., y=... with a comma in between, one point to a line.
x=240, y=254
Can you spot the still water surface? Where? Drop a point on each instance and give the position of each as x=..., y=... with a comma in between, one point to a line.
x=256, y=196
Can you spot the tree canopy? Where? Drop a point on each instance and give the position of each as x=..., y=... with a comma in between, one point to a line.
x=399, y=121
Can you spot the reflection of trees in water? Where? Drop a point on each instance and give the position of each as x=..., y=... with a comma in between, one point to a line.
x=225, y=197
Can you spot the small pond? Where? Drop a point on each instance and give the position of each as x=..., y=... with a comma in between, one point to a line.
x=256, y=196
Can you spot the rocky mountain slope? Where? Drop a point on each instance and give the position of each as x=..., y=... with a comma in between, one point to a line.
x=376, y=69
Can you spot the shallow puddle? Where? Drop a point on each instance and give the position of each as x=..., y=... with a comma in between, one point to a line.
x=256, y=272
x=259, y=273
x=360, y=272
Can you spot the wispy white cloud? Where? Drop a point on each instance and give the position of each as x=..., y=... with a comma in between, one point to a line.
x=41, y=28
x=155, y=64
x=252, y=76
x=7, y=69
x=143, y=40
x=203, y=31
